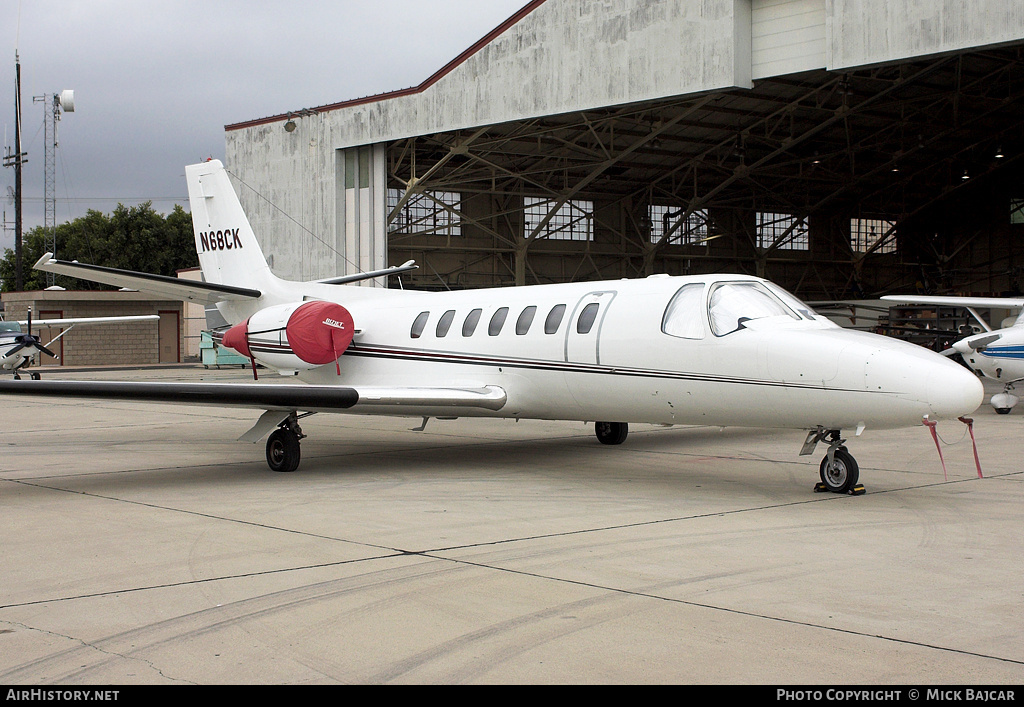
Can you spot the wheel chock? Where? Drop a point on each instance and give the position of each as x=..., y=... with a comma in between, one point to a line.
x=857, y=490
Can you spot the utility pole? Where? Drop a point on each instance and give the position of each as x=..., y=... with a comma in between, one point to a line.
x=52, y=106
x=16, y=159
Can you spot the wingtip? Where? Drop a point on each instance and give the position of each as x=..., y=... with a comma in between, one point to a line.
x=47, y=257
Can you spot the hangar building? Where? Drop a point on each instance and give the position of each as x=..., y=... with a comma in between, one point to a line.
x=842, y=148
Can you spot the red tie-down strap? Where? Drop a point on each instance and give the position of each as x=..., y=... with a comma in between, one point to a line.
x=935, y=436
x=970, y=428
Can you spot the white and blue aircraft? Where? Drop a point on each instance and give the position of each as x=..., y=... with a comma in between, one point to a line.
x=992, y=353
x=18, y=348
x=723, y=350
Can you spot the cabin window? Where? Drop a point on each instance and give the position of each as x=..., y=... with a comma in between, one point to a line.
x=445, y=323
x=732, y=304
x=418, y=324
x=497, y=322
x=554, y=319
x=525, y=320
x=472, y=319
x=587, y=318
x=684, y=316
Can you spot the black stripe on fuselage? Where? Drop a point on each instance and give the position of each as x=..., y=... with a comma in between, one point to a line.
x=428, y=356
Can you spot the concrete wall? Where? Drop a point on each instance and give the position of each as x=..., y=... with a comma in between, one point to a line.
x=867, y=32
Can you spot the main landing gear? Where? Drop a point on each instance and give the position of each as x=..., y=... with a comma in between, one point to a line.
x=283, y=451
x=838, y=469
x=611, y=432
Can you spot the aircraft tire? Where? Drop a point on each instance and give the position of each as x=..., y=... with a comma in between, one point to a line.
x=842, y=475
x=611, y=432
x=283, y=450
x=1002, y=411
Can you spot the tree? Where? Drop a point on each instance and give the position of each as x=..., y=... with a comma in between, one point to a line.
x=130, y=238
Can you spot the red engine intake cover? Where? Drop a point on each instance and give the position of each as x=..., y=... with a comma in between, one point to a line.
x=237, y=338
x=319, y=332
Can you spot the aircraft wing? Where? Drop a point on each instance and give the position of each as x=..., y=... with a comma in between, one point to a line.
x=1002, y=302
x=308, y=398
x=170, y=287
x=89, y=320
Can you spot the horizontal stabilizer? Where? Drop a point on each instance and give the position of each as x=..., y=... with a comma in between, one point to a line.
x=162, y=285
x=358, y=277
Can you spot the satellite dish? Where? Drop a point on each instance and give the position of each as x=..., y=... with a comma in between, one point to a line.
x=67, y=101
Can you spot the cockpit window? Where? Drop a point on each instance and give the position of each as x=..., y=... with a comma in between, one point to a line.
x=10, y=326
x=801, y=308
x=731, y=304
x=684, y=316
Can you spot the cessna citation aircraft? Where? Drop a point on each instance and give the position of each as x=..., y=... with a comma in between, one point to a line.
x=718, y=350
x=993, y=353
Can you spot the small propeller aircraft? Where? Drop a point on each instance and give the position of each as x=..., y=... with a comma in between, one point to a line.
x=993, y=353
x=18, y=348
x=722, y=350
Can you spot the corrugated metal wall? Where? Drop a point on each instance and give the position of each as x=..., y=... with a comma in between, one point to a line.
x=787, y=36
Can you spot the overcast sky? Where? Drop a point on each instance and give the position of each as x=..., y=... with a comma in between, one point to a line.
x=155, y=82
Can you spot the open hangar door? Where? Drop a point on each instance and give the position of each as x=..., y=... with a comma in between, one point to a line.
x=895, y=178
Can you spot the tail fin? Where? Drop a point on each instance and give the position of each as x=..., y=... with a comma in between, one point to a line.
x=228, y=251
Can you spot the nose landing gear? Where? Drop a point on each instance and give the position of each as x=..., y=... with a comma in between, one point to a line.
x=838, y=470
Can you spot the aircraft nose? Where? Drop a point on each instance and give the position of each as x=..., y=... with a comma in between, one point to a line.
x=953, y=391
x=935, y=385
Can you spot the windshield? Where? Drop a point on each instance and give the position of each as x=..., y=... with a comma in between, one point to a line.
x=733, y=303
x=10, y=326
x=794, y=303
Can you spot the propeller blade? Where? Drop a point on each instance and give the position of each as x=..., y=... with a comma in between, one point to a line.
x=981, y=342
x=949, y=352
x=46, y=351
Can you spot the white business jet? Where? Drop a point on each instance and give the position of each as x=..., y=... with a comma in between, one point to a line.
x=717, y=350
x=18, y=348
x=993, y=353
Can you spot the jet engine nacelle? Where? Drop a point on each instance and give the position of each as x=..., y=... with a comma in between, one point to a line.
x=296, y=336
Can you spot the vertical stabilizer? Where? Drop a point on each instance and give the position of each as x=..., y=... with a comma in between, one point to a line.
x=227, y=247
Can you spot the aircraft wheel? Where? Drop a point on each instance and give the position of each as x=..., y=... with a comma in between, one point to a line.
x=1002, y=411
x=842, y=474
x=34, y=375
x=611, y=432
x=283, y=450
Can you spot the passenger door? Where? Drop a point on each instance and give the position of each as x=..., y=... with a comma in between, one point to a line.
x=583, y=333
